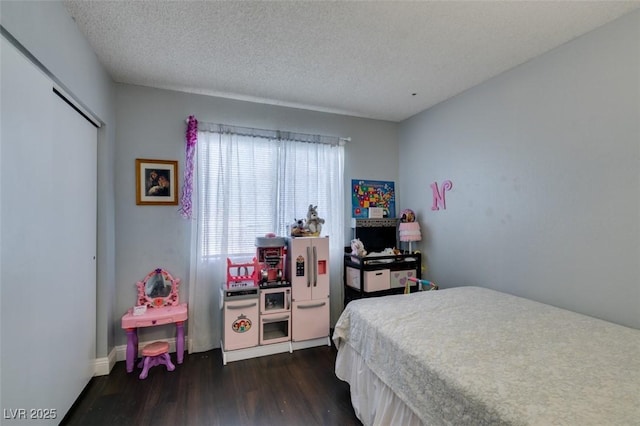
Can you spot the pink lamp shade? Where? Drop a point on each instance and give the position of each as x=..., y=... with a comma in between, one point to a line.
x=409, y=232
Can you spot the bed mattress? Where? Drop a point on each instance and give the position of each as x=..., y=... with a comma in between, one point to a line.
x=474, y=356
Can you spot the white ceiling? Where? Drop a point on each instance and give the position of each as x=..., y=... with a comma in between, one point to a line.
x=365, y=59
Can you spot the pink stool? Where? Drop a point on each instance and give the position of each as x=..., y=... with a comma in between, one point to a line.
x=153, y=354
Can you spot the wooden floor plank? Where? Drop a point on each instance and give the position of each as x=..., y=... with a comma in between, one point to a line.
x=298, y=388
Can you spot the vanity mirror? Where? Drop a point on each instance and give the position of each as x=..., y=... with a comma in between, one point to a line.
x=159, y=288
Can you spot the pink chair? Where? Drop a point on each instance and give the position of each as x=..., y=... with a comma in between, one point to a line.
x=156, y=353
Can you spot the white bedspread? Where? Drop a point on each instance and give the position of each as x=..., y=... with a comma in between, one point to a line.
x=475, y=356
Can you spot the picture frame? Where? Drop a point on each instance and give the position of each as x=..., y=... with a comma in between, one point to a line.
x=156, y=182
x=373, y=199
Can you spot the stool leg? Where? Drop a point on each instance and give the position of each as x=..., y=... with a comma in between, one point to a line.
x=168, y=363
x=145, y=369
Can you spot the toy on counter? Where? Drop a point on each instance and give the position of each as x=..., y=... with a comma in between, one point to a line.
x=314, y=222
x=246, y=273
x=297, y=229
x=311, y=227
x=357, y=248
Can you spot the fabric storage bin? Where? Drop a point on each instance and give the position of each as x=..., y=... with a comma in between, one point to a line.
x=373, y=280
x=399, y=278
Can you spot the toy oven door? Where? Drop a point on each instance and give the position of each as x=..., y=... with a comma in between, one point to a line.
x=275, y=300
x=275, y=328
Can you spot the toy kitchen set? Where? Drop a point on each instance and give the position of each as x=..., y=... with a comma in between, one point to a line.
x=266, y=301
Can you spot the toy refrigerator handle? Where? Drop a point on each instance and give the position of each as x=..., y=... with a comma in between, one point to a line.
x=315, y=266
x=309, y=263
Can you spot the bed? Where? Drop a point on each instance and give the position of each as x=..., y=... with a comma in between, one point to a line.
x=474, y=356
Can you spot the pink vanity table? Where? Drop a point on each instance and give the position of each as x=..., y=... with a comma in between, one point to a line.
x=154, y=316
x=158, y=292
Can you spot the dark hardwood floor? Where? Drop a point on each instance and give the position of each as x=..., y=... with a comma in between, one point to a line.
x=284, y=389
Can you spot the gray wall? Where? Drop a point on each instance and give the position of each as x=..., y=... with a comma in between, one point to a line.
x=151, y=124
x=68, y=56
x=545, y=165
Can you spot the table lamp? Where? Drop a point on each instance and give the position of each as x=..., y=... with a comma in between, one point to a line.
x=409, y=232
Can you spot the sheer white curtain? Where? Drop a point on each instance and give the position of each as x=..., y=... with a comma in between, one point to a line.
x=248, y=183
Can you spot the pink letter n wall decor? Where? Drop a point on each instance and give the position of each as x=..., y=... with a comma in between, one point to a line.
x=438, y=195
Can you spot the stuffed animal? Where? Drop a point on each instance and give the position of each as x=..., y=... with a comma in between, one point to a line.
x=298, y=228
x=314, y=223
x=357, y=248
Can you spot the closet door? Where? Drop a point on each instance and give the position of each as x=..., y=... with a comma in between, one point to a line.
x=48, y=158
x=73, y=238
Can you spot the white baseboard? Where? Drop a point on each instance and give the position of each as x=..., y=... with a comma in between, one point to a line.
x=103, y=366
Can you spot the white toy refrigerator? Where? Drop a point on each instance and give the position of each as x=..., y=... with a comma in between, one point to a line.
x=308, y=260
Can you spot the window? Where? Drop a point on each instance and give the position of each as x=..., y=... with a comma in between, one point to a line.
x=253, y=184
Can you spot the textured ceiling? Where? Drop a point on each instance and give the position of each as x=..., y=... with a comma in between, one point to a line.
x=365, y=59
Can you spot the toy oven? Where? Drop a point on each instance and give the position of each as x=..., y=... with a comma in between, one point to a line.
x=275, y=315
x=275, y=300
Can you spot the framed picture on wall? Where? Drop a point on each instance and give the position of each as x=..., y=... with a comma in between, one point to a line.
x=156, y=182
x=372, y=199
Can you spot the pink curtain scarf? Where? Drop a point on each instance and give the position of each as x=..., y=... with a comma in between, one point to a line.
x=187, y=188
